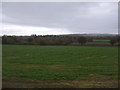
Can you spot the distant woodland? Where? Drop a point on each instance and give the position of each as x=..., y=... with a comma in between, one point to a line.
x=62, y=40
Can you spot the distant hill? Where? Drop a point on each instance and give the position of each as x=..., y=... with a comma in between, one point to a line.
x=93, y=34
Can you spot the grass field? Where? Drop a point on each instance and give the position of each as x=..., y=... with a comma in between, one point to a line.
x=59, y=66
x=101, y=40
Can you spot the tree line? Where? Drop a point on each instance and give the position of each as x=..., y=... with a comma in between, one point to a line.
x=52, y=40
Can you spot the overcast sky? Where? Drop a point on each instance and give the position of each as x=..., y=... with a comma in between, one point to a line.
x=20, y=18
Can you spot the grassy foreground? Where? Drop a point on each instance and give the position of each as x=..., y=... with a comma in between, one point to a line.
x=59, y=66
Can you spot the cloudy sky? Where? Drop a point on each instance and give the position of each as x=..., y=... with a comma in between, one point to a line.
x=42, y=18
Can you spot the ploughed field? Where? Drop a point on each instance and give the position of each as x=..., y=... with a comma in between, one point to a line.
x=59, y=66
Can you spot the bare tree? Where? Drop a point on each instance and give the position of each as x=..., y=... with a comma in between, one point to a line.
x=113, y=41
x=82, y=40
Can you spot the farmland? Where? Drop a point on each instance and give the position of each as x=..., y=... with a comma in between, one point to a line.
x=101, y=40
x=59, y=66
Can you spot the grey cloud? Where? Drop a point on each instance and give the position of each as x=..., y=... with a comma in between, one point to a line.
x=77, y=17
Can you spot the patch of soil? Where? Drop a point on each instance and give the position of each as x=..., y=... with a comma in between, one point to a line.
x=61, y=84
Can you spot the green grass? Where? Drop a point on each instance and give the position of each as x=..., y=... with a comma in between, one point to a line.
x=101, y=40
x=59, y=63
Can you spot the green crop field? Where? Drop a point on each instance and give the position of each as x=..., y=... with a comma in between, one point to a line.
x=59, y=66
x=101, y=40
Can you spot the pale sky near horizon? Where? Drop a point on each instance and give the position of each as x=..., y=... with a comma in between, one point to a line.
x=43, y=18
